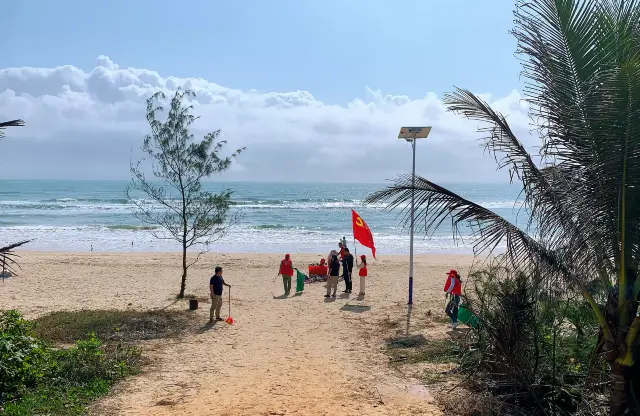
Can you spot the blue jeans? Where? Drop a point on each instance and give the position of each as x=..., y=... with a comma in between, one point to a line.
x=452, y=308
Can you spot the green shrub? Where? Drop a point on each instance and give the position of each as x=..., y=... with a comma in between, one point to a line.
x=38, y=379
x=536, y=348
x=60, y=400
x=24, y=359
x=89, y=359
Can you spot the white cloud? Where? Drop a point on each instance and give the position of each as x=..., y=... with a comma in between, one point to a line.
x=85, y=125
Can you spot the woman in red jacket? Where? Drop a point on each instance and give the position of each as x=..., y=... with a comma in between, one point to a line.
x=453, y=287
x=286, y=270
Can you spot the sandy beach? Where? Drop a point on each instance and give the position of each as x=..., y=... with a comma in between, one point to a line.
x=300, y=355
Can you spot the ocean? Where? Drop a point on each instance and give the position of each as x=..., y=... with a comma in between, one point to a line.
x=278, y=217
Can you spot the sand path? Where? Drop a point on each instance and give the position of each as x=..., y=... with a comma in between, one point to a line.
x=300, y=355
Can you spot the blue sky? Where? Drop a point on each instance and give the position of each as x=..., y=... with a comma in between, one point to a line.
x=334, y=48
x=296, y=73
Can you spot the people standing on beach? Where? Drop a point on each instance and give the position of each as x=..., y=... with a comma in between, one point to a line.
x=362, y=272
x=453, y=287
x=286, y=270
x=332, y=281
x=215, y=288
x=347, y=268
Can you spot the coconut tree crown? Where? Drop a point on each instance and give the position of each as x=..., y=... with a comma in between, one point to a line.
x=581, y=62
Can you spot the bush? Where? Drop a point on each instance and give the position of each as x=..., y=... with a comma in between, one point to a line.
x=89, y=360
x=24, y=359
x=536, y=348
x=36, y=378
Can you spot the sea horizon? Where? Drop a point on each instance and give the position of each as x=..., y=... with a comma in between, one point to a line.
x=294, y=217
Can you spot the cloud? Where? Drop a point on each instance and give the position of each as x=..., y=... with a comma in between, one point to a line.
x=89, y=124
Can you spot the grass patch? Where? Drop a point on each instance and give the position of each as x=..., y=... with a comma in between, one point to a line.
x=417, y=349
x=58, y=400
x=110, y=325
x=431, y=377
x=410, y=341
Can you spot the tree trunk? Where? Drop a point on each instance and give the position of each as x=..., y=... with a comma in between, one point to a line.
x=624, y=392
x=183, y=282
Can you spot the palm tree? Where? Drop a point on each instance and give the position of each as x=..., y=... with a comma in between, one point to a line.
x=7, y=256
x=581, y=60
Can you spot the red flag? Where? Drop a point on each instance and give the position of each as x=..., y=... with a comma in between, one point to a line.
x=362, y=233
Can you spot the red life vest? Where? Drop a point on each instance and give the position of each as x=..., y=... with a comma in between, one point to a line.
x=363, y=271
x=457, y=285
x=286, y=267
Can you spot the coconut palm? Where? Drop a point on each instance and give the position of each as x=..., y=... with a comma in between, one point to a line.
x=7, y=256
x=581, y=60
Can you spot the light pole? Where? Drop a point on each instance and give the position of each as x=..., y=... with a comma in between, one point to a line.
x=411, y=134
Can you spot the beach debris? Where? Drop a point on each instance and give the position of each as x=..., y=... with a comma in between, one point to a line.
x=313, y=278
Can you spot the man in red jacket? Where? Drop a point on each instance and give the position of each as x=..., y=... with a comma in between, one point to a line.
x=286, y=270
x=453, y=287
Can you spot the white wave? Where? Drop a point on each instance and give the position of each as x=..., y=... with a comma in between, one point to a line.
x=241, y=239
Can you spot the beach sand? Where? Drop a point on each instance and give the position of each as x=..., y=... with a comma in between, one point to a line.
x=299, y=355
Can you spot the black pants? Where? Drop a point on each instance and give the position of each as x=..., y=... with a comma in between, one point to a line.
x=347, y=281
x=452, y=308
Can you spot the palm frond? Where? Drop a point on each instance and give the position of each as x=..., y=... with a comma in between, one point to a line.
x=557, y=220
x=12, y=123
x=574, y=54
x=8, y=256
x=435, y=204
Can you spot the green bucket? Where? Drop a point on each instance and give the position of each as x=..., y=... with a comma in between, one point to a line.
x=467, y=317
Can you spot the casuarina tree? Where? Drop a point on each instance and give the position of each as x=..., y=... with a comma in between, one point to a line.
x=581, y=60
x=175, y=199
x=7, y=255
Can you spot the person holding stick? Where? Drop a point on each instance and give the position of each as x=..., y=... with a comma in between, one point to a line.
x=216, y=284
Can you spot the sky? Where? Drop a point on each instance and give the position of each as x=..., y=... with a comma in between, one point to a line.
x=316, y=90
